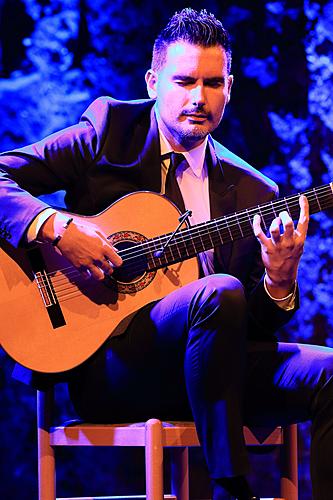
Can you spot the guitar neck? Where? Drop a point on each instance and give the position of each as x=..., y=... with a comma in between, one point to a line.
x=222, y=230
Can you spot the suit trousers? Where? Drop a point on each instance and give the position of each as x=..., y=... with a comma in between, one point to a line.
x=187, y=357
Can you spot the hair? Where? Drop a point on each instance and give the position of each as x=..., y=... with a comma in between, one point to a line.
x=198, y=28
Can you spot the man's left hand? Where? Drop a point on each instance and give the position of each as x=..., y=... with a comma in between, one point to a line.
x=281, y=252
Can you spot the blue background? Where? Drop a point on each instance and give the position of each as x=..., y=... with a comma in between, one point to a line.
x=56, y=56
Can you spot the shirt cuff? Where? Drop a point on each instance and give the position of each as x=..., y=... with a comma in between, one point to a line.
x=37, y=223
x=287, y=303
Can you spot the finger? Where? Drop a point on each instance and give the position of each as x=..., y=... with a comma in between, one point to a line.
x=109, y=250
x=258, y=232
x=274, y=229
x=112, y=256
x=106, y=266
x=288, y=225
x=97, y=272
x=86, y=274
x=304, y=216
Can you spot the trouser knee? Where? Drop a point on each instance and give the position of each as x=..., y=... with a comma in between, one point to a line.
x=223, y=295
x=323, y=386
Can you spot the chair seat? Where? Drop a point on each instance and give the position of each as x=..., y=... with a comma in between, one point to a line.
x=127, y=497
x=173, y=434
x=154, y=436
x=137, y=497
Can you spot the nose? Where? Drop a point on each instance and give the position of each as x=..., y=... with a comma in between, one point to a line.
x=198, y=95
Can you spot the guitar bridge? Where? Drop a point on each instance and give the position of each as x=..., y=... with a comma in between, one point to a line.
x=45, y=289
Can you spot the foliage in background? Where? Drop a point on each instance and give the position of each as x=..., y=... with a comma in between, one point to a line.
x=280, y=120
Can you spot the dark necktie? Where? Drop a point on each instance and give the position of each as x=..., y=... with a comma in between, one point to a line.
x=172, y=190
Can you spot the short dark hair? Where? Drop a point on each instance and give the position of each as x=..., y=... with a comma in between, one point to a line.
x=198, y=28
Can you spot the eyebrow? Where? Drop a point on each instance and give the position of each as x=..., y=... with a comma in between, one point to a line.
x=217, y=79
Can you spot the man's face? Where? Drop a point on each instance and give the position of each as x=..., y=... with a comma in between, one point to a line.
x=191, y=91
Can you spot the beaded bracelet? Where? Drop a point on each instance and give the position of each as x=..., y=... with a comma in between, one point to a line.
x=59, y=236
x=287, y=297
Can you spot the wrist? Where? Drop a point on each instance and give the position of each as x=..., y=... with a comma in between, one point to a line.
x=52, y=228
x=281, y=290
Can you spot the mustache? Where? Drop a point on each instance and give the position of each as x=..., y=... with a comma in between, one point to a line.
x=196, y=111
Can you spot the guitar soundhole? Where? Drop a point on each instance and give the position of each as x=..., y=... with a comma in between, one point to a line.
x=132, y=276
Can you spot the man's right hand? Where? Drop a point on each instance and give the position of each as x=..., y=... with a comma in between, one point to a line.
x=84, y=245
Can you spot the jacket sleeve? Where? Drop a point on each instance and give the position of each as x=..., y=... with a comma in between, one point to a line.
x=54, y=163
x=265, y=315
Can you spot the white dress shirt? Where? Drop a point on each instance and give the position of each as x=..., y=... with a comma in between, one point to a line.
x=193, y=185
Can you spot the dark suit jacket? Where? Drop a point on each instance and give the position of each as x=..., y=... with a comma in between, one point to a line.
x=114, y=150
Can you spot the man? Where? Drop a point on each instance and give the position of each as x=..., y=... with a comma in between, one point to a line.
x=217, y=332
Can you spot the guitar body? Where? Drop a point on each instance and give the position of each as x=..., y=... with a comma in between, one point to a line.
x=52, y=319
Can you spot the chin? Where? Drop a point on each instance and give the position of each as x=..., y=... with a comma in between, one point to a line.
x=196, y=133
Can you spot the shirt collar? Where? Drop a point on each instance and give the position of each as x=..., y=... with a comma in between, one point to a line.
x=195, y=157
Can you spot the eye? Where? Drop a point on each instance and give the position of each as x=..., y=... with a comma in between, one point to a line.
x=183, y=81
x=214, y=84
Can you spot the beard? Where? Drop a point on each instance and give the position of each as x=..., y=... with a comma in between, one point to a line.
x=192, y=134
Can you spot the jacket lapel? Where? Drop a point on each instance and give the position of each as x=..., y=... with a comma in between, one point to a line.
x=150, y=157
x=222, y=195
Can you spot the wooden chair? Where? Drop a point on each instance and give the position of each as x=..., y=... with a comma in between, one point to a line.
x=153, y=435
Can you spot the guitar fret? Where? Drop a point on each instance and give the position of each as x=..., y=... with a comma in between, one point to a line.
x=184, y=244
x=191, y=246
x=240, y=227
x=229, y=230
x=249, y=217
x=211, y=240
x=151, y=261
x=175, y=246
x=199, y=243
x=170, y=249
x=233, y=227
x=294, y=210
x=216, y=239
x=287, y=206
x=157, y=245
x=218, y=232
x=154, y=261
x=262, y=218
x=273, y=208
x=315, y=193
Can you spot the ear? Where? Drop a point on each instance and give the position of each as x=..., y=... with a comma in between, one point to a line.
x=230, y=82
x=151, y=81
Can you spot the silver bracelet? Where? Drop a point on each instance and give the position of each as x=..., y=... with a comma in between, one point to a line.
x=287, y=297
x=59, y=236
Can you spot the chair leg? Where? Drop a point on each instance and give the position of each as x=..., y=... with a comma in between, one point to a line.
x=289, y=464
x=154, y=460
x=179, y=473
x=46, y=459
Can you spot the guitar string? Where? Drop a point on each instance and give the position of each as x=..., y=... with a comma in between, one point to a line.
x=262, y=211
x=75, y=272
x=214, y=237
x=74, y=289
x=195, y=232
x=201, y=230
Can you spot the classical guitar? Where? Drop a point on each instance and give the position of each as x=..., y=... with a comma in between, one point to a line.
x=52, y=319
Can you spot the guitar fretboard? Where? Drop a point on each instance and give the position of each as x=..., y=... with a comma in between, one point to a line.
x=196, y=239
